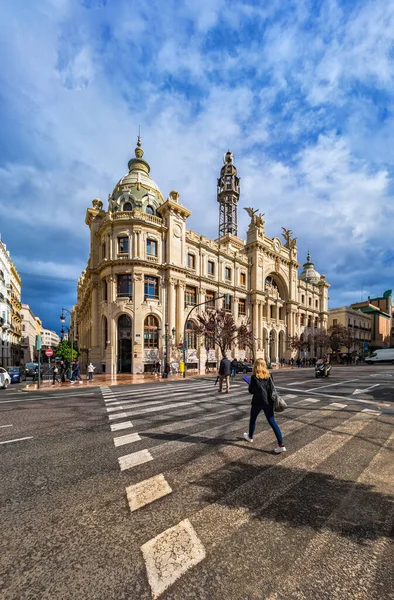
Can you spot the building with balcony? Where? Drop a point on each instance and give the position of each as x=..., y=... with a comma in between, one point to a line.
x=146, y=271
x=381, y=310
x=50, y=339
x=16, y=317
x=357, y=322
x=5, y=305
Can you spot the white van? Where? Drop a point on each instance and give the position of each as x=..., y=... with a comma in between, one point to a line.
x=380, y=356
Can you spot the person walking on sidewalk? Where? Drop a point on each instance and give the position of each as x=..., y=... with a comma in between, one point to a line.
x=234, y=367
x=76, y=372
x=224, y=373
x=90, y=370
x=261, y=387
x=55, y=371
x=62, y=371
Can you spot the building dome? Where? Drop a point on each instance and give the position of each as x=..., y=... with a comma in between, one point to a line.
x=136, y=189
x=309, y=273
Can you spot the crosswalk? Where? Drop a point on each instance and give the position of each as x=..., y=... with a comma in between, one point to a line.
x=197, y=492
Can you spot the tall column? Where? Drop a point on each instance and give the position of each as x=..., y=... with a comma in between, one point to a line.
x=95, y=314
x=180, y=307
x=260, y=326
x=171, y=313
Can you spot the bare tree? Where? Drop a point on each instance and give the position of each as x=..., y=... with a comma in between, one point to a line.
x=321, y=341
x=220, y=327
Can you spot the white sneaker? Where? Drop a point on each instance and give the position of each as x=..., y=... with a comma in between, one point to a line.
x=247, y=438
x=72, y=382
x=279, y=449
x=81, y=382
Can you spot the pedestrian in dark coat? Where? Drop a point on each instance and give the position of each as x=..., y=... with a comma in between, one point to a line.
x=261, y=387
x=62, y=371
x=76, y=372
x=234, y=367
x=224, y=374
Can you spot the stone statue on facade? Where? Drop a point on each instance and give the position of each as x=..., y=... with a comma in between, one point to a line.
x=290, y=242
x=256, y=219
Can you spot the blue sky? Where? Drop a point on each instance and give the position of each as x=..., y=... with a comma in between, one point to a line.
x=301, y=91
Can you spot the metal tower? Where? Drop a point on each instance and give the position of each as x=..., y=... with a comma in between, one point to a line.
x=228, y=196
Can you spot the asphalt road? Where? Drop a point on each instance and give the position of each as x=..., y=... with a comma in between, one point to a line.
x=148, y=491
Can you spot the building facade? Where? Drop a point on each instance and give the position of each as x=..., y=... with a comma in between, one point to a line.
x=358, y=322
x=29, y=332
x=381, y=310
x=5, y=305
x=146, y=272
x=50, y=339
x=16, y=317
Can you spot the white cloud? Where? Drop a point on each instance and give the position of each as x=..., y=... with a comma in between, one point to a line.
x=280, y=96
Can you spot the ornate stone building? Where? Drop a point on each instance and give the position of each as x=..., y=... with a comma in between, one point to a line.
x=146, y=271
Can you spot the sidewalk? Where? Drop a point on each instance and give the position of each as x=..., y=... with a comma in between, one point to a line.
x=107, y=380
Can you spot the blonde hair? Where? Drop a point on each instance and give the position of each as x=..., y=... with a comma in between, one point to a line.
x=260, y=369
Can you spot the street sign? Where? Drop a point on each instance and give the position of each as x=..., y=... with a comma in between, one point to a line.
x=207, y=348
x=366, y=347
x=49, y=352
x=180, y=346
x=38, y=342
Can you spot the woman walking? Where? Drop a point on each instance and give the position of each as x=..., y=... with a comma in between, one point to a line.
x=261, y=387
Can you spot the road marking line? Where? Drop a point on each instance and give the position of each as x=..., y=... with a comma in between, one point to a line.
x=332, y=384
x=362, y=391
x=126, y=439
x=115, y=408
x=370, y=411
x=134, y=459
x=17, y=440
x=302, y=381
x=5, y=426
x=123, y=415
x=118, y=426
x=170, y=554
x=336, y=405
x=289, y=396
x=147, y=491
x=309, y=400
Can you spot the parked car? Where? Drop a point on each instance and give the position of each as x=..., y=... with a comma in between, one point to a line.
x=30, y=368
x=17, y=374
x=244, y=367
x=5, y=378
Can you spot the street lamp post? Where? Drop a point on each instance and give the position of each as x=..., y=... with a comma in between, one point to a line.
x=71, y=332
x=184, y=327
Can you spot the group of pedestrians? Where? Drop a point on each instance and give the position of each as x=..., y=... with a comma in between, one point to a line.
x=59, y=372
x=262, y=388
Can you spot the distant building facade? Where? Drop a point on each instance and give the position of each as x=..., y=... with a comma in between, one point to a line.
x=50, y=339
x=146, y=271
x=29, y=332
x=358, y=322
x=381, y=310
x=16, y=317
x=5, y=305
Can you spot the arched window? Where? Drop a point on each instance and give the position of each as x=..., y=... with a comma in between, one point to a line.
x=271, y=281
x=149, y=210
x=127, y=207
x=191, y=335
x=151, y=333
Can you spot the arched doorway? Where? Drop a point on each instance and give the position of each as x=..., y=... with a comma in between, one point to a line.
x=124, y=344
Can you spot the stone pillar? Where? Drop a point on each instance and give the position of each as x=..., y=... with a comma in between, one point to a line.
x=170, y=312
x=137, y=341
x=180, y=308
x=260, y=326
